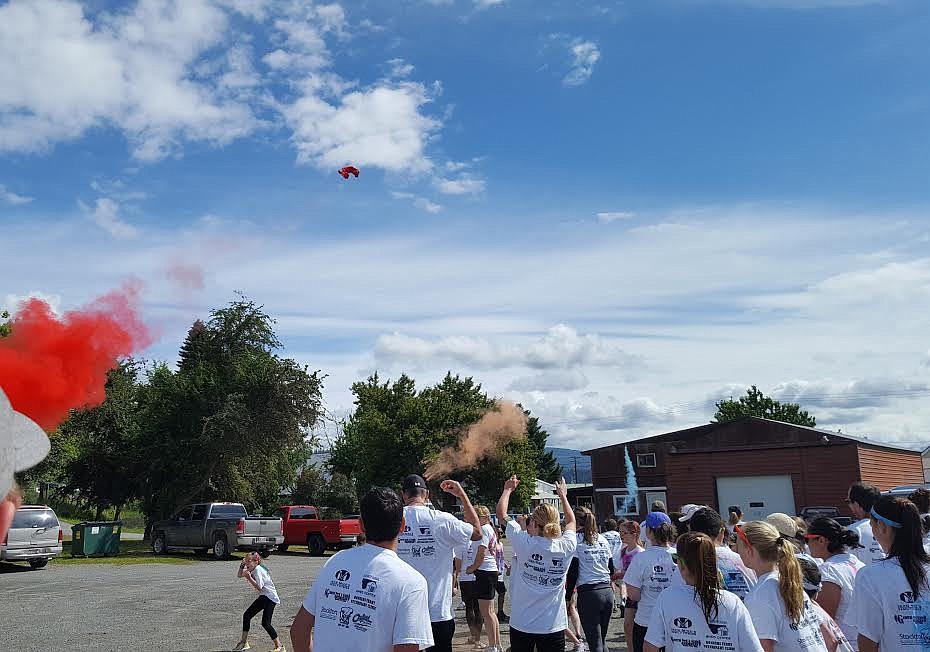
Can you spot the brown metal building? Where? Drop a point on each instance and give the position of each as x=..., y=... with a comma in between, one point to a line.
x=761, y=465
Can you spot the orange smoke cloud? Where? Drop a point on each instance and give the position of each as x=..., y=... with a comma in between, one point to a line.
x=505, y=422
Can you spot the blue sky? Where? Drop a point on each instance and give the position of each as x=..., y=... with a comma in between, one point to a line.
x=614, y=213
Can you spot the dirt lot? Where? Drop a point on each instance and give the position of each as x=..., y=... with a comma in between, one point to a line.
x=159, y=607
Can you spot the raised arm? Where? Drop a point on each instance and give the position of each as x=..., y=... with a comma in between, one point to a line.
x=471, y=516
x=561, y=488
x=504, y=503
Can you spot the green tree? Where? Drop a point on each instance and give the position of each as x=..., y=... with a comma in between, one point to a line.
x=335, y=495
x=233, y=422
x=395, y=428
x=6, y=326
x=547, y=467
x=757, y=404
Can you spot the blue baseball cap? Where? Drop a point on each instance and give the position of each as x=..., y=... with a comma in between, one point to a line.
x=656, y=519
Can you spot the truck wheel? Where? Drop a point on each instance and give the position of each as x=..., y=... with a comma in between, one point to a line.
x=38, y=563
x=283, y=547
x=316, y=545
x=220, y=548
x=158, y=544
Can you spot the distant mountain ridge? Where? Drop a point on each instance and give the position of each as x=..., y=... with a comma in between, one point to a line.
x=575, y=466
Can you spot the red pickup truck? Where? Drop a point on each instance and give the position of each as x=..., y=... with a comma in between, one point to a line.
x=302, y=526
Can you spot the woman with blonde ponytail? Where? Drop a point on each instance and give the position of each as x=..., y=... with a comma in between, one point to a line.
x=781, y=611
x=542, y=552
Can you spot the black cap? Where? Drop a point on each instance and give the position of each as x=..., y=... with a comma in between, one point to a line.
x=413, y=482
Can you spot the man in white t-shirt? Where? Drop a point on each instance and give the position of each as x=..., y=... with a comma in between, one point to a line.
x=428, y=543
x=861, y=497
x=366, y=598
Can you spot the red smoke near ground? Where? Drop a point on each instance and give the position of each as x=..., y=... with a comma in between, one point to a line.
x=50, y=365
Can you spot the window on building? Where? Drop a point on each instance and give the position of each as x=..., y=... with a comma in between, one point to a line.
x=625, y=506
x=646, y=460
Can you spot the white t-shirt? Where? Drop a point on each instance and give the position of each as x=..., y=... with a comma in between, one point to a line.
x=537, y=580
x=613, y=540
x=842, y=643
x=737, y=579
x=263, y=578
x=427, y=542
x=593, y=561
x=678, y=624
x=651, y=572
x=366, y=598
x=841, y=569
x=771, y=621
x=490, y=543
x=870, y=552
x=466, y=554
x=886, y=610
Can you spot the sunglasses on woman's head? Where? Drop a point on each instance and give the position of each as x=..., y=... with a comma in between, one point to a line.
x=742, y=535
x=676, y=558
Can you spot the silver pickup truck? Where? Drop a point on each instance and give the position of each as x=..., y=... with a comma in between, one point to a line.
x=222, y=527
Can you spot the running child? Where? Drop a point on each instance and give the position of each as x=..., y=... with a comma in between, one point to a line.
x=258, y=576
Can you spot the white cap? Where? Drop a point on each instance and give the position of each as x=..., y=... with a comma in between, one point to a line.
x=23, y=444
x=690, y=510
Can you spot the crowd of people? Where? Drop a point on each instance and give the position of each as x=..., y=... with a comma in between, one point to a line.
x=689, y=580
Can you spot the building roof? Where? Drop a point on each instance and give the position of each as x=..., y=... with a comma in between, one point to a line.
x=697, y=431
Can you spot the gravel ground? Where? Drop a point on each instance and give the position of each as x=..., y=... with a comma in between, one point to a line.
x=164, y=608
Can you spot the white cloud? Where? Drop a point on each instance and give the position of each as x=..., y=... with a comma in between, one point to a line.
x=865, y=393
x=10, y=197
x=485, y=4
x=607, y=218
x=551, y=381
x=399, y=68
x=381, y=126
x=584, y=55
x=62, y=73
x=560, y=348
x=105, y=214
x=420, y=202
x=464, y=184
x=12, y=302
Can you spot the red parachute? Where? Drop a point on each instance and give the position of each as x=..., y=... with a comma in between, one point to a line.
x=347, y=170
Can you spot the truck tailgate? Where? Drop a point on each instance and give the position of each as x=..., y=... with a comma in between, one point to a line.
x=259, y=526
x=350, y=526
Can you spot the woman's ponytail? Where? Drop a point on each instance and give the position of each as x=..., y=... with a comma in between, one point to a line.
x=790, y=581
x=850, y=538
x=552, y=531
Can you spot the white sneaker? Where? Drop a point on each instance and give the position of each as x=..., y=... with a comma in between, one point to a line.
x=279, y=649
x=581, y=647
x=242, y=645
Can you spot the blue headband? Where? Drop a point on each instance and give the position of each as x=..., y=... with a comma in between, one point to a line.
x=886, y=521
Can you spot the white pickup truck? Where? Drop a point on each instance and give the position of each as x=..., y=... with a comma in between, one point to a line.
x=222, y=527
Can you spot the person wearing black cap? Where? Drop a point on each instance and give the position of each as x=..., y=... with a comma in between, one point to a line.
x=428, y=543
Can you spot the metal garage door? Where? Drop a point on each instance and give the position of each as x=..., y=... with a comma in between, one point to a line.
x=758, y=496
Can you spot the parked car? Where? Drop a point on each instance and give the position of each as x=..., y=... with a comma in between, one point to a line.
x=810, y=513
x=303, y=526
x=35, y=536
x=906, y=490
x=224, y=527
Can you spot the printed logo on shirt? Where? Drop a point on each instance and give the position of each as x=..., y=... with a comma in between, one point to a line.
x=345, y=616
x=328, y=614
x=558, y=563
x=428, y=551
x=536, y=557
x=406, y=529
x=369, y=585
x=336, y=595
x=361, y=622
x=684, y=623
x=718, y=629
x=415, y=551
x=917, y=620
x=658, y=569
x=424, y=531
x=907, y=597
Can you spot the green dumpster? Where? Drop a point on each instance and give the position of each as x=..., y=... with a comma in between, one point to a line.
x=95, y=538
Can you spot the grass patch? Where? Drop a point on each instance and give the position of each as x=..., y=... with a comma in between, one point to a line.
x=131, y=552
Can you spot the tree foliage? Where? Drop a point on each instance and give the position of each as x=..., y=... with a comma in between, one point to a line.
x=6, y=326
x=336, y=495
x=757, y=404
x=395, y=428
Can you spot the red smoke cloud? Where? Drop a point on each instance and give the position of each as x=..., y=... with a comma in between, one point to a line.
x=189, y=277
x=52, y=364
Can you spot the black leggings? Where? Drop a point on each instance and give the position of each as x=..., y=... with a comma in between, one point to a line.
x=266, y=606
x=472, y=610
x=523, y=642
x=595, y=606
